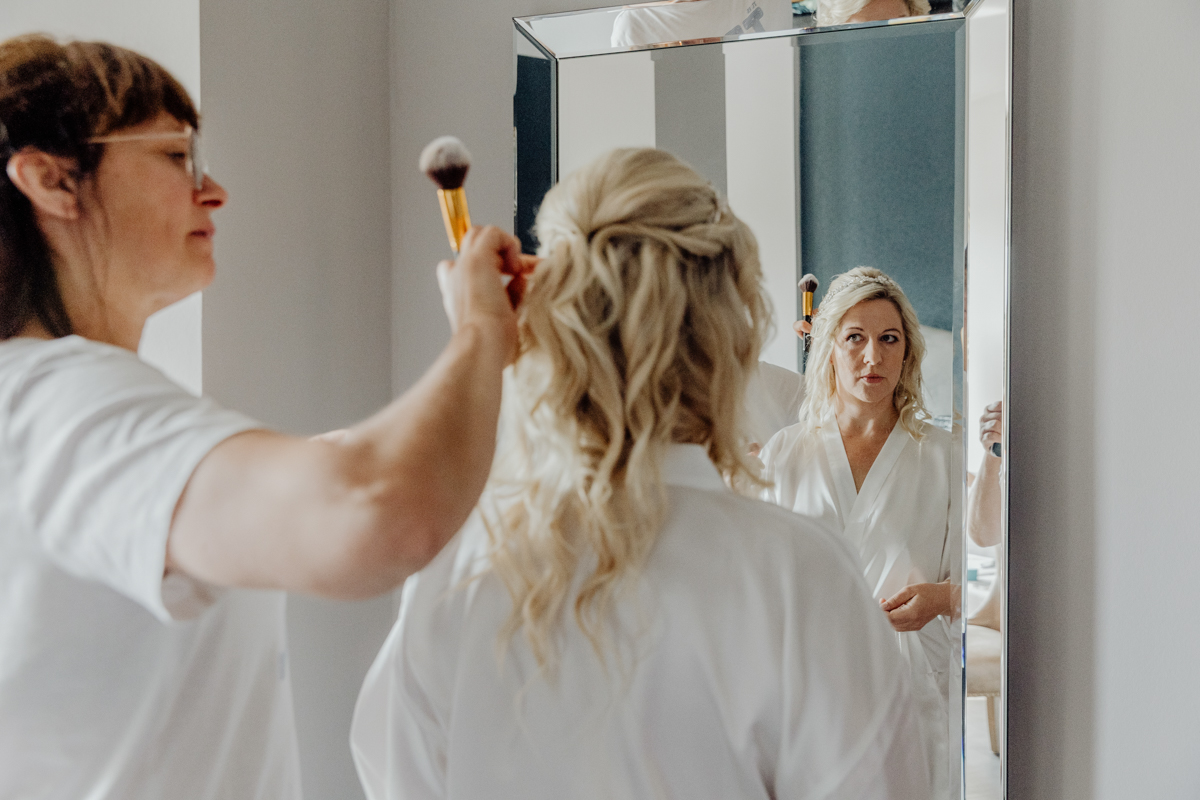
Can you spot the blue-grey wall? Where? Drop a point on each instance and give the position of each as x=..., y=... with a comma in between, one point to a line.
x=878, y=116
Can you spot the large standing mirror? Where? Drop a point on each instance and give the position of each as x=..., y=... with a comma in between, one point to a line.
x=845, y=134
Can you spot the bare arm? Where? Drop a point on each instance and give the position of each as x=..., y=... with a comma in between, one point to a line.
x=351, y=516
x=984, y=500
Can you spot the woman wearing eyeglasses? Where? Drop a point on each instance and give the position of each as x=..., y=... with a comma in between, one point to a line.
x=134, y=516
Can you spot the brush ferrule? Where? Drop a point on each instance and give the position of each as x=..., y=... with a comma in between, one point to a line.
x=806, y=302
x=455, y=215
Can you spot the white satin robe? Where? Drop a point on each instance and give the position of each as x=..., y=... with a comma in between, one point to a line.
x=898, y=524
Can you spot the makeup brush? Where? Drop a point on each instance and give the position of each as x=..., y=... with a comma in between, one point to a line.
x=446, y=161
x=808, y=284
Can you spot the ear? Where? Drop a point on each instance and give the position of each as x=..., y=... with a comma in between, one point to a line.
x=47, y=181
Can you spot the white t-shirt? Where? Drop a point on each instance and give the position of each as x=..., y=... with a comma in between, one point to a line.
x=655, y=23
x=755, y=665
x=116, y=682
x=773, y=399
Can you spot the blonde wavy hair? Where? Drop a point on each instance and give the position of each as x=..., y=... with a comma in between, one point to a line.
x=820, y=381
x=837, y=12
x=640, y=327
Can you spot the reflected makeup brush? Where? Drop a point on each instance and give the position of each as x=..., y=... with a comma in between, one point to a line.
x=808, y=285
x=446, y=161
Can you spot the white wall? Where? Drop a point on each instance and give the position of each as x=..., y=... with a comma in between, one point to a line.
x=1104, y=701
x=451, y=74
x=761, y=94
x=603, y=103
x=168, y=32
x=297, y=325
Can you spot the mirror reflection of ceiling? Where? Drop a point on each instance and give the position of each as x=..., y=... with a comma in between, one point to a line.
x=671, y=22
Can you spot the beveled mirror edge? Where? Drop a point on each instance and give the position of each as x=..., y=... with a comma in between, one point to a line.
x=526, y=24
x=523, y=29
x=1005, y=544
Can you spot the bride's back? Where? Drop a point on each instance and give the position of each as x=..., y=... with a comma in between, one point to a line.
x=615, y=621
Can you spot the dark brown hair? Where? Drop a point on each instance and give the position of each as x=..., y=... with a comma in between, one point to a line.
x=54, y=97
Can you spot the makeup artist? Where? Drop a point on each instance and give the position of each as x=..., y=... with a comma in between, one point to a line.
x=134, y=516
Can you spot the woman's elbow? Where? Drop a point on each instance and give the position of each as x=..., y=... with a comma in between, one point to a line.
x=379, y=549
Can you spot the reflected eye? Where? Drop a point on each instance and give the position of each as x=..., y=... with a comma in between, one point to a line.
x=854, y=337
x=890, y=338
x=179, y=158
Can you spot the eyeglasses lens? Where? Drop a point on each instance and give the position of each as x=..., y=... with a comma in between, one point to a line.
x=196, y=165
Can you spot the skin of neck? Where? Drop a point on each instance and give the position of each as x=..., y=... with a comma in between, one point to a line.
x=98, y=310
x=856, y=417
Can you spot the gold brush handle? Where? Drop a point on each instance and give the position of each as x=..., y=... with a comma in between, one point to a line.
x=455, y=215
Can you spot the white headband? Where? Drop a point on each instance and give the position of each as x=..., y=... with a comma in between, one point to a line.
x=859, y=280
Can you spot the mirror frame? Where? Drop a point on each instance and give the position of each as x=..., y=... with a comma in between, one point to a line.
x=527, y=39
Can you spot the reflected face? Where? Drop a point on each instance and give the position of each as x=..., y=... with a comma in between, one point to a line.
x=153, y=225
x=868, y=352
x=880, y=10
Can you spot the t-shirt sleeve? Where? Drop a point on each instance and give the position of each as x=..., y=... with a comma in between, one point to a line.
x=105, y=446
x=849, y=726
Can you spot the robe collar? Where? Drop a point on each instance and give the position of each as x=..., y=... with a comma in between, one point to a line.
x=855, y=504
x=688, y=465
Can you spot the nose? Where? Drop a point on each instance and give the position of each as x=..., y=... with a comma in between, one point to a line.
x=871, y=352
x=212, y=195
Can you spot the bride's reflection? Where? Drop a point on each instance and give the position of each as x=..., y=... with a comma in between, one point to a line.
x=865, y=459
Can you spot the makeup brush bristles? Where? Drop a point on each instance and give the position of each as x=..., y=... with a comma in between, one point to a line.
x=809, y=283
x=446, y=161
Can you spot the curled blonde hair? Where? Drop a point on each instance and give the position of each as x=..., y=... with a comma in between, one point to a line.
x=640, y=327
x=820, y=380
x=837, y=12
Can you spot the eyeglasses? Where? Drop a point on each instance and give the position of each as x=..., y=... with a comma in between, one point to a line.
x=194, y=163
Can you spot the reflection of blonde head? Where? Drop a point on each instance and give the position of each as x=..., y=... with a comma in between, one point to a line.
x=837, y=12
x=640, y=327
x=820, y=381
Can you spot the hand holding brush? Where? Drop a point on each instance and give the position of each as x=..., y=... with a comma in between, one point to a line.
x=803, y=326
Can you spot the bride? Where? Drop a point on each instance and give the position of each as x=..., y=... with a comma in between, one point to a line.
x=616, y=621
x=864, y=459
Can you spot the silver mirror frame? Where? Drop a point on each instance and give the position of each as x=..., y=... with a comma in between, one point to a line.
x=529, y=42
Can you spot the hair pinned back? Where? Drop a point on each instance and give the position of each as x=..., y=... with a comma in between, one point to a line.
x=640, y=327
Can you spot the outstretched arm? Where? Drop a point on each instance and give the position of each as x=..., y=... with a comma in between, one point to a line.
x=353, y=515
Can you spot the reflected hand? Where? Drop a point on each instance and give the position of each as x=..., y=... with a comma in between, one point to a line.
x=915, y=606
x=801, y=327
x=991, y=425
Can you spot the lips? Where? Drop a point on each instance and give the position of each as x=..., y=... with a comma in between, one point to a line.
x=206, y=232
x=873, y=378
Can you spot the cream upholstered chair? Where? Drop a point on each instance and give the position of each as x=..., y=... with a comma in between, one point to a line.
x=984, y=642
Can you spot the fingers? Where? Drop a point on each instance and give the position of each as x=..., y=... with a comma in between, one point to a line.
x=516, y=290
x=527, y=263
x=991, y=425
x=801, y=327
x=899, y=598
